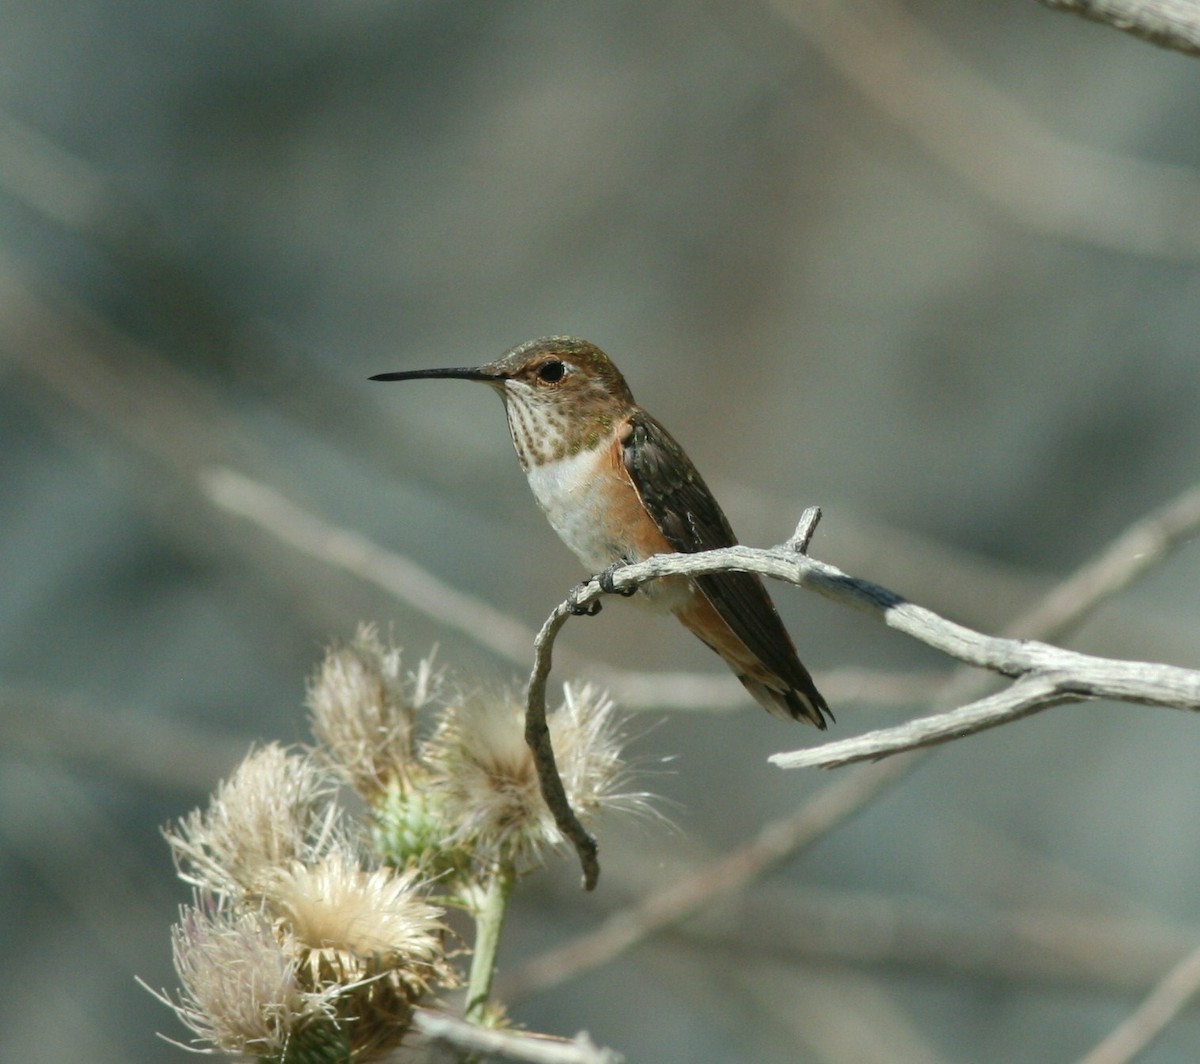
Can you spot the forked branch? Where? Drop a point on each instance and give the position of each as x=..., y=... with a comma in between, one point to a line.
x=1044, y=675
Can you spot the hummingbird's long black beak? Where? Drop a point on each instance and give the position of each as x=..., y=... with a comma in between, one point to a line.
x=465, y=373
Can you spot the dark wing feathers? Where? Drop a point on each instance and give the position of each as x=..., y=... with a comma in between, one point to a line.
x=691, y=520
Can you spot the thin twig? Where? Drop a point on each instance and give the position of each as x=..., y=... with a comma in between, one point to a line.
x=1030, y=694
x=1053, y=675
x=806, y=527
x=537, y=733
x=1132, y=554
x=537, y=737
x=511, y=1045
x=1171, y=24
x=1166, y=1001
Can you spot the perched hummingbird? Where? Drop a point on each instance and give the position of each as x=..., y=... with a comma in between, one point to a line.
x=617, y=488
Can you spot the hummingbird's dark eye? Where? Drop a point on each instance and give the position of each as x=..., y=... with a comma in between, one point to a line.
x=552, y=372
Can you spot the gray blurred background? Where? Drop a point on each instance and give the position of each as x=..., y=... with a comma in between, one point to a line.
x=932, y=266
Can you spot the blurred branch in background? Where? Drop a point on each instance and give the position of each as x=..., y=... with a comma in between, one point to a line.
x=348, y=550
x=1171, y=24
x=404, y=579
x=991, y=143
x=823, y=1009
x=1177, y=989
x=65, y=188
x=1029, y=944
x=130, y=744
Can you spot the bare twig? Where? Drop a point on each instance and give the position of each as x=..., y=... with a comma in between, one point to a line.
x=806, y=527
x=1171, y=24
x=983, y=136
x=511, y=1045
x=537, y=734
x=1030, y=694
x=1178, y=987
x=1049, y=675
x=1140, y=547
x=537, y=737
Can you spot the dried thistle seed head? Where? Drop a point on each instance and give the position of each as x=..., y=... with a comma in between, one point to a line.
x=489, y=780
x=366, y=935
x=276, y=808
x=363, y=710
x=241, y=986
x=371, y=917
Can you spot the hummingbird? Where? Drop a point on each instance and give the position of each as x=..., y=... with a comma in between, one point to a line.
x=617, y=489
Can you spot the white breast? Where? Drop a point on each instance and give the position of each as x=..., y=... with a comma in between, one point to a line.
x=570, y=492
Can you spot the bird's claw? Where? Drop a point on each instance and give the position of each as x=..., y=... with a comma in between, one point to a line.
x=579, y=609
x=605, y=580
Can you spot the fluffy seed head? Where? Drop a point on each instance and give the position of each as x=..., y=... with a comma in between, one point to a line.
x=367, y=918
x=363, y=710
x=489, y=780
x=241, y=986
x=274, y=809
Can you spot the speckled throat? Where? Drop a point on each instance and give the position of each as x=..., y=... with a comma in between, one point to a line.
x=550, y=428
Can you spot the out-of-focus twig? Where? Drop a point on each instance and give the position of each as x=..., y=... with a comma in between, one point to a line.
x=403, y=578
x=679, y=899
x=839, y=1016
x=1171, y=24
x=353, y=552
x=1135, y=551
x=1030, y=944
x=704, y=692
x=62, y=186
x=1167, y=1000
x=148, y=747
x=990, y=142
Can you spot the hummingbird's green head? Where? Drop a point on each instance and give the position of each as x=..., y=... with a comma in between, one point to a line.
x=563, y=395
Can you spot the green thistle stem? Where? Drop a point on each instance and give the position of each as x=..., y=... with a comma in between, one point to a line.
x=489, y=922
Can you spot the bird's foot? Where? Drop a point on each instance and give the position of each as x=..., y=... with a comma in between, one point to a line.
x=606, y=582
x=579, y=609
